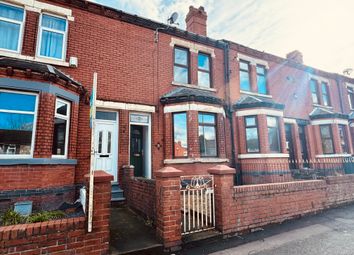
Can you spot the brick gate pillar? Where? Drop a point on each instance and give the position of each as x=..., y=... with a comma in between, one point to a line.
x=223, y=190
x=101, y=210
x=168, y=207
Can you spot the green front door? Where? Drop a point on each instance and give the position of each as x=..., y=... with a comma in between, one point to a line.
x=136, y=149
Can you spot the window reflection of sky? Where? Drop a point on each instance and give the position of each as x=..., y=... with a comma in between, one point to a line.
x=180, y=129
x=17, y=102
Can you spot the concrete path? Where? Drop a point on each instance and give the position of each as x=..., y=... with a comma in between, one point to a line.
x=331, y=232
x=130, y=234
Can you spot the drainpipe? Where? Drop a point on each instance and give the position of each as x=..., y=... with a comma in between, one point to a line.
x=228, y=100
x=338, y=82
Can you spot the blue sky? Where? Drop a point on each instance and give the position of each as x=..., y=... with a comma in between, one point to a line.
x=322, y=30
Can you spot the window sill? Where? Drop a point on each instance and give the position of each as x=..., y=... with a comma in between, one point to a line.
x=38, y=59
x=333, y=155
x=195, y=160
x=263, y=155
x=192, y=86
x=36, y=161
x=322, y=106
x=255, y=94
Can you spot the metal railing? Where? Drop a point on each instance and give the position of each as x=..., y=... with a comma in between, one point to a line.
x=197, y=203
x=299, y=169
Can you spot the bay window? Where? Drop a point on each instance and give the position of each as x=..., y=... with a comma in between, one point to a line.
x=207, y=134
x=252, y=140
x=11, y=27
x=204, y=79
x=61, y=128
x=245, y=83
x=18, y=112
x=327, y=139
x=52, y=37
x=343, y=138
x=273, y=134
x=181, y=65
x=180, y=141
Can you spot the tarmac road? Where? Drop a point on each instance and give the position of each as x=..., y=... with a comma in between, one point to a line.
x=331, y=232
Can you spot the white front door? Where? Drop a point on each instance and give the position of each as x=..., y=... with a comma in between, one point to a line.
x=106, y=140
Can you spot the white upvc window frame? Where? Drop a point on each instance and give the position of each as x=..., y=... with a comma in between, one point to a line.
x=22, y=25
x=63, y=117
x=34, y=113
x=65, y=36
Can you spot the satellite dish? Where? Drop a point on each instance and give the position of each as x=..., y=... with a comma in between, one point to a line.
x=172, y=19
x=347, y=71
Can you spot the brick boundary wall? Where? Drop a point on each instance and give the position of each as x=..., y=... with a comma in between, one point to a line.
x=66, y=236
x=139, y=193
x=243, y=208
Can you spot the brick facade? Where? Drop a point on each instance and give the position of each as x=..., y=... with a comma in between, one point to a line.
x=135, y=71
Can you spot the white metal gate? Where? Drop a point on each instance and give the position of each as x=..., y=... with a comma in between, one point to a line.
x=197, y=203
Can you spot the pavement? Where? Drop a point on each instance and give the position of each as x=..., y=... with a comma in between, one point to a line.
x=330, y=232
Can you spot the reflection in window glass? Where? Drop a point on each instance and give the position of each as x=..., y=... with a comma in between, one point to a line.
x=16, y=129
x=100, y=134
x=109, y=142
x=325, y=94
x=53, y=30
x=273, y=134
x=204, y=70
x=244, y=76
x=327, y=140
x=261, y=79
x=343, y=138
x=314, y=93
x=61, y=128
x=180, y=134
x=252, y=142
x=207, y=134
x=181, y=65
x=11, y=22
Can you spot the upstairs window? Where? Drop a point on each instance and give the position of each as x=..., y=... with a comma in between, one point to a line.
x=273, y=134
x=61, y=128
x=252, y=141
x=181, y=65
x=327, y=139
x=11, y=27
x=207, y=134
x=351, y=97
x=343, y=138
x=261, y=79
x=314, y=91
x=52, y=34
x=18, y=112
x=245, y=76
x=180, y=145
x=325, y=94
x=204, y=79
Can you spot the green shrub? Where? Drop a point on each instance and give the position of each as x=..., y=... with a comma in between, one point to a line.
x=45, y=216
x=11, y=217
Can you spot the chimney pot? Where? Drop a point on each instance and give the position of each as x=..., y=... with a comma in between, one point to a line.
x=295, y=56
x=196, y=20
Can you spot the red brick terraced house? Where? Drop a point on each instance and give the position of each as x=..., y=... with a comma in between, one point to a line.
x=165, y=97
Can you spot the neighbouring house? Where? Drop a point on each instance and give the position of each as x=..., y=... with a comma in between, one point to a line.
x=165, y=97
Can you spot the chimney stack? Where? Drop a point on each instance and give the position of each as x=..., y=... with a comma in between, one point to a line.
x=295, y=56
x=196, y=20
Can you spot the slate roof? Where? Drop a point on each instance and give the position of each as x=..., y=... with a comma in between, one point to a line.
x=248, y=101
x=189, y=95
x=46, y=70
x=321, y=113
